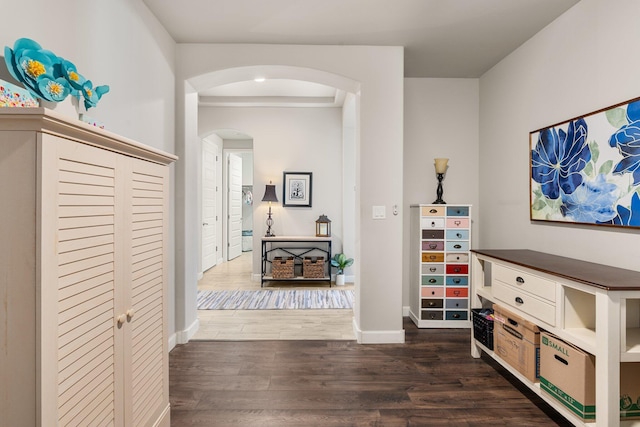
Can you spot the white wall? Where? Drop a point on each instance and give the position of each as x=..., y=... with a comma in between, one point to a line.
x=375, y=75
x=582, y=62
x=113, y=42
x=292, y=140
x=441, y=120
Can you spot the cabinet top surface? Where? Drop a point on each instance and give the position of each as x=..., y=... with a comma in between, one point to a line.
x=589, y=273
x=296, y=239
x=51, y=122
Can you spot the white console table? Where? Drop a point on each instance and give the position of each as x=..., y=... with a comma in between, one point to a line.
x=592, y=306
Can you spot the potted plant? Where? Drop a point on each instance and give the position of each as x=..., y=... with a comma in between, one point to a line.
x=340, y=261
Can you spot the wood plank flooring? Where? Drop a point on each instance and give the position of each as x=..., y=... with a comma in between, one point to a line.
x=322, y=324
x=431, y=380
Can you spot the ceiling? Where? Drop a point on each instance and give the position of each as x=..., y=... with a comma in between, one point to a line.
x=442, y=38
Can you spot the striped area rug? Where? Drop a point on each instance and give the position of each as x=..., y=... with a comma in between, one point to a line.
x=275, y=299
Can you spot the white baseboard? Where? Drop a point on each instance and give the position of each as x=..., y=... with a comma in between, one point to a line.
x=172, y=341
x=405, y=311
x=183, y=337
x=377, y=337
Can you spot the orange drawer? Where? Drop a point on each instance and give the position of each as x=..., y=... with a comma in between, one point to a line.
x=457, y=292
x=432, y=257
x=433, y=211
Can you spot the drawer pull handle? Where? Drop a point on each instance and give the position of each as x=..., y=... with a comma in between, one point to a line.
x=433, y=292
x=432, y=245
x=433, y=224
x=513, y=322
x=519, y=300
x=432, y=269
x=456, y=293
x=458, y=211
x=456, y=270
x=432, y=257
x=457, y=246
x=519, y=280
x=433, y=316
x=456, y=316
x=432, y=280
x=431, y=304
x=456, y=281
x=459, y=235
x=433, y=211
x=560, y=359
x=457, y=222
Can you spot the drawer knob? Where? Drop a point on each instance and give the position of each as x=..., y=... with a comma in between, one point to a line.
x=433, y=211
x=459, y=235
x=432, y=245
x=433, y=224
x=457, y=246
x=431, y=304
x=433, y=293
x=519, y=300
x=432, y=269
x=456, y=270
x=456, y=316
x=432, y=280
x=457, y=222
x=520, y=280
x=456, y=281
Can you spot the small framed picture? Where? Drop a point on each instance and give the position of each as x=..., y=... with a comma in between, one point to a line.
x=296, y=189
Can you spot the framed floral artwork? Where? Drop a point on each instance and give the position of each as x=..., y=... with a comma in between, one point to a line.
x=587, y=170
x=296, y=190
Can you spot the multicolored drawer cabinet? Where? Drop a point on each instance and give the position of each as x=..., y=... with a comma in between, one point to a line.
x=440, y=244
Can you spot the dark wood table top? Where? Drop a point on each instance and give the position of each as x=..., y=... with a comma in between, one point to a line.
x=590, y=273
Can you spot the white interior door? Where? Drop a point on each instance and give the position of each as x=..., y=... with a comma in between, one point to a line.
x=209, y=204
x=234, y=206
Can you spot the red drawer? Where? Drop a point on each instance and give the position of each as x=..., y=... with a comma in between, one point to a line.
x=457, y=292
x=457, y=269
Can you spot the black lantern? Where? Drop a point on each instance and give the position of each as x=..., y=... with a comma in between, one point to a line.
x=323, y=226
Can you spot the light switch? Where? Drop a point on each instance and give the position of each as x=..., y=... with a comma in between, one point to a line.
x=379, y=212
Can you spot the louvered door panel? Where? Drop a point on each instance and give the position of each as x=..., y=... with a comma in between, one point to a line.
x=87, y=303
x=148, y=281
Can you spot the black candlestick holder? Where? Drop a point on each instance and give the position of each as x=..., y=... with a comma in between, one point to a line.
x=439, y=200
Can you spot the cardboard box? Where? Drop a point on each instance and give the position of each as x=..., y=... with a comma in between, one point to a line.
x=517, y=342
x=568, y=374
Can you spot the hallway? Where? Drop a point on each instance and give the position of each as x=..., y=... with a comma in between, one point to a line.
x=244, y=325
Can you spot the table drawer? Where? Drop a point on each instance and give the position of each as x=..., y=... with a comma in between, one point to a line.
x=458, y=223
x=457, y=269
x=433, y=245
x=530, y=283
x=458, y=303
x=457, y=210
x=457, y=257
x=428, y=223
x=457, y=292
x=432, y=234
x=432, y=303
x=432, y=291
x=457, y=234
x=432, y=211
x=457, y=315
x=432, y=257
x=457, y=281
x=433, y=280
x=525, y=302
x=431, y=315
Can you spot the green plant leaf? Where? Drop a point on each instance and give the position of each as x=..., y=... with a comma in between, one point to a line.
x=595, y=151
x=588, y=170
x=617, y=117
x=606, y=167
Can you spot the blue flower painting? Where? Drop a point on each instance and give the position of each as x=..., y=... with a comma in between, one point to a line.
x=587, y=170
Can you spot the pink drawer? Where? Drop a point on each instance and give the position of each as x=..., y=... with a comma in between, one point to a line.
x=433, y=245
x=432, y=291
x=457, y=222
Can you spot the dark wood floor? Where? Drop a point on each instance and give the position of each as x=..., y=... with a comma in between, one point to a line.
x=431, y=380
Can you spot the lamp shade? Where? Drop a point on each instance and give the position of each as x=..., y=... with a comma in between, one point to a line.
x=270, y=193
x=441, y=165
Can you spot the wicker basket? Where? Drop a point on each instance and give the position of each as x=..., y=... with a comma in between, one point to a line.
x=313, y=268
x=282, y=268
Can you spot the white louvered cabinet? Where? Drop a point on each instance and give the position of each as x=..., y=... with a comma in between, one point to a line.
x=84, y=275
